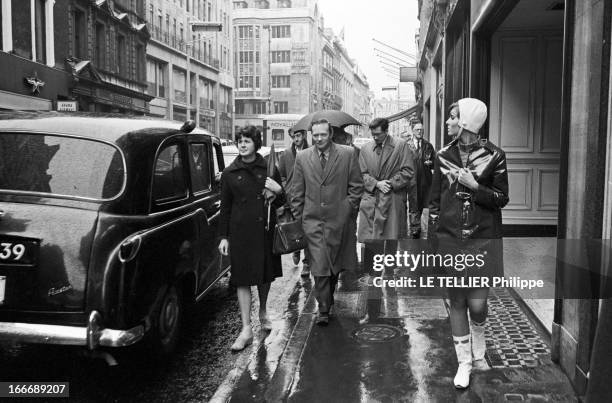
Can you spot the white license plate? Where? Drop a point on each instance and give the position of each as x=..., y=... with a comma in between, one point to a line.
x=2, y=288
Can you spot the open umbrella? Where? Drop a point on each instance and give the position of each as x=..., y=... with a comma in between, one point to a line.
x=334, y=117
x=269, y=196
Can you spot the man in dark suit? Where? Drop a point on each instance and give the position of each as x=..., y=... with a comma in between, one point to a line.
x=425, y=155
x=326, y=191
x=285, y=167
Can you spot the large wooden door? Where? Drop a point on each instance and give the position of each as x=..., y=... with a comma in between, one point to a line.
x=525, y=117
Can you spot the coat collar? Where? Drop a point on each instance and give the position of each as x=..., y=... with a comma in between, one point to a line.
x=315, y=161
x=237, y=164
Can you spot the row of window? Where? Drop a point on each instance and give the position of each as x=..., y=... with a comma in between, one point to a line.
x=260, y=108
x=281, y=81
x=157, y=78
x=263, y=4
x=248, y=56
x=278, y=31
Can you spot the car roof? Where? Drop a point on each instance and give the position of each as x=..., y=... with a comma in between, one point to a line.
x=109, y=127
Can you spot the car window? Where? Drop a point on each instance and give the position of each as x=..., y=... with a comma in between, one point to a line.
x=60, y=165
x=200, y=167
x=169, y=182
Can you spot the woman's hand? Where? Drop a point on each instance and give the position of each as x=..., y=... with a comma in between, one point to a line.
x=224, y=247
x=273, y=186
x=467, y=179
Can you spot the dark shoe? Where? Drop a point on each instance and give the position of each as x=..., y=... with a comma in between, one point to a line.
x=323, y=319
x=296, y=258
x=305, y=271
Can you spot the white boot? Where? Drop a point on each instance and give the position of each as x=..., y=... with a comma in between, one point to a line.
x=479, y=346
x=463, y=348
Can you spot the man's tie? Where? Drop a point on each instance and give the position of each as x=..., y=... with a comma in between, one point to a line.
x=323, y=160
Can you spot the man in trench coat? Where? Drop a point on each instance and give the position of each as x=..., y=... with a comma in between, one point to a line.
x=388, y=170
x=326, y=190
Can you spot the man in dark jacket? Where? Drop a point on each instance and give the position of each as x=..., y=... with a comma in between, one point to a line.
x=425, y=155
x=285, y=167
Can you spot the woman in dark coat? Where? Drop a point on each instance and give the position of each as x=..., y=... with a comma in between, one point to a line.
x=469, y=189
x=242, y=227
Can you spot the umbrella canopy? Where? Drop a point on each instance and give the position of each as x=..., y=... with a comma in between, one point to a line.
x=334, y=117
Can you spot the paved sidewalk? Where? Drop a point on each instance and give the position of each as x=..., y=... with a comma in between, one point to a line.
x=405, y=353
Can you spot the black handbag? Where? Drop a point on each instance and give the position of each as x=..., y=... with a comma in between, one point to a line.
x=288, y=233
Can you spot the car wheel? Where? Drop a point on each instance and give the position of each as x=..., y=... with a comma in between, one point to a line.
x=168, y=322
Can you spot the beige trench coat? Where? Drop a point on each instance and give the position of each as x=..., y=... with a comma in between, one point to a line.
x=324, y=201
x=383, y=216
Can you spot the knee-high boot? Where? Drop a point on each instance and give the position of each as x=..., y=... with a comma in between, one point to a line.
x=479, y=346
x=463, y=348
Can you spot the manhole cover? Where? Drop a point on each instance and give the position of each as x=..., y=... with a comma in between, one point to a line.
x=376, y=333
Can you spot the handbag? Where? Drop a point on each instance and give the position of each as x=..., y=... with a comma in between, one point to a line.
x=288, y=233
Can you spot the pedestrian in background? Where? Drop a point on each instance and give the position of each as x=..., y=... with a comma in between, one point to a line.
x=424, y=154
x=327, y=187
x=285, y=167
x=242, y=228
x=470, y=187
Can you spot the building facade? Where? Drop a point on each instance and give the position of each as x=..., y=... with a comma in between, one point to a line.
x=175, y=51
x=75, y=55
x=276, y=51
x=287, y=62
x=543, y=68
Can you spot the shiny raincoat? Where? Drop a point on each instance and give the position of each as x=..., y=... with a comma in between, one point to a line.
x=477, y=224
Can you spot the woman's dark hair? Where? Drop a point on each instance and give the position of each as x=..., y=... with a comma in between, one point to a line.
x=383, y=123
x=454, y=105
x=251, y=132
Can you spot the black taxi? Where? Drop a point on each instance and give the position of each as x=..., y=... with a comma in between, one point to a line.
x=107, y=228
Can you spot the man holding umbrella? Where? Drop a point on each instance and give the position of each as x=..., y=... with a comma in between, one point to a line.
x=326, y=190
x=285, y=168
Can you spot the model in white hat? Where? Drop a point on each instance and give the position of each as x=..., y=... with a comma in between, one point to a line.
x=469, y=189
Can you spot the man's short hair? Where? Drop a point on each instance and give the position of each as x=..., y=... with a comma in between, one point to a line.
x=251, y=132
x=415, y=122
x=321, y=122
x=383, y=123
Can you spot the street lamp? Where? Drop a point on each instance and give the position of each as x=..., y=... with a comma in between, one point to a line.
x=197, y=26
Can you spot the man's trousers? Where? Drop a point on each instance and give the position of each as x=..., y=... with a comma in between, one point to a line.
x=324, y=291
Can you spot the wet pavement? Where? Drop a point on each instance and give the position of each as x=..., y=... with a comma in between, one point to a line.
x=404, y=353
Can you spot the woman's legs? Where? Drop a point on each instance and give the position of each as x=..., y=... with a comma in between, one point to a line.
x=244, y=302
x=263, y=291
x=458, y=312
x=477, y=304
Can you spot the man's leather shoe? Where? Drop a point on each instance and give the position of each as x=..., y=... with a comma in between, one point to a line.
x=305, y=270
x=323, y=319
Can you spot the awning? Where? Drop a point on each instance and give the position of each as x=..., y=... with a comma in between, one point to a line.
x=413, y=110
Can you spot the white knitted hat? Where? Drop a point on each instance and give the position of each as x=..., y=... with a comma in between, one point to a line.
x=472, y=114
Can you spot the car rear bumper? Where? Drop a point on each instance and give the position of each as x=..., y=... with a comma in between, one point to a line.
x=92, y=336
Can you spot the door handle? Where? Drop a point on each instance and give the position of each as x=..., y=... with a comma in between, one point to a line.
x=217, y=204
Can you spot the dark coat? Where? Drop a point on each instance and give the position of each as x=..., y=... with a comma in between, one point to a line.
x=243, y=221
x=424, y=175
x=286, y=162
x=325, y=201
x=484, y=223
